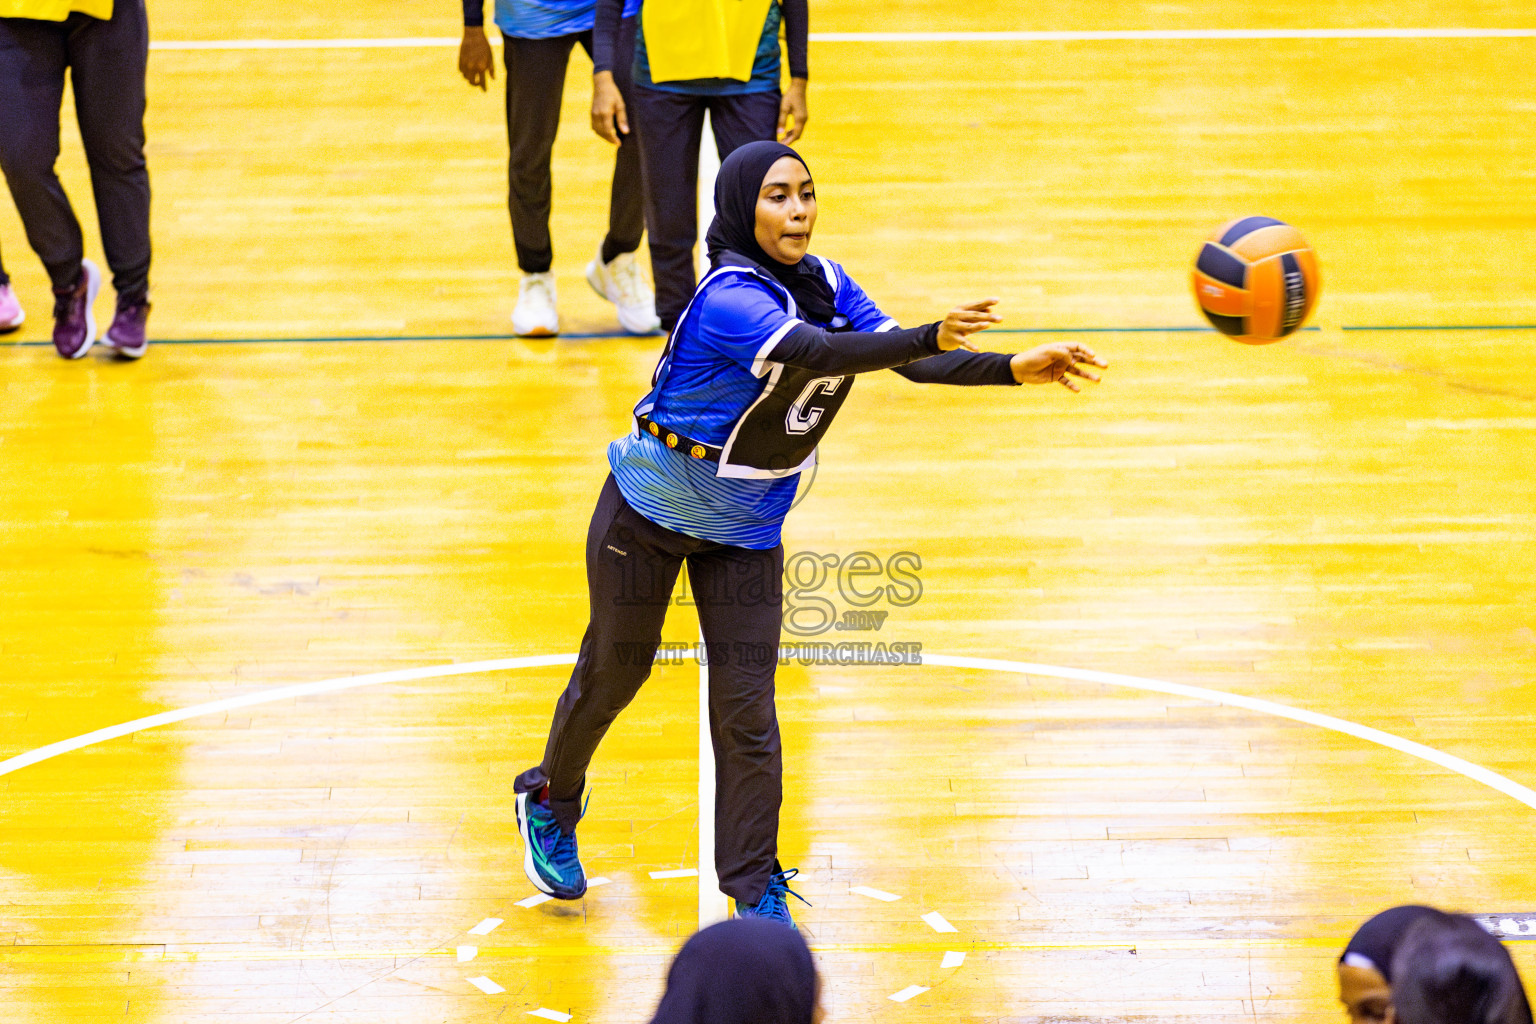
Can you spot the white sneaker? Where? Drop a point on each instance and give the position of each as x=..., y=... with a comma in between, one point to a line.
x=621, y=283
x=12, y=316
x=534, y=315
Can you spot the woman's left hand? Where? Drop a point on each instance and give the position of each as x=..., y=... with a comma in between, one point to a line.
x=1057, y=363
x=792, y=112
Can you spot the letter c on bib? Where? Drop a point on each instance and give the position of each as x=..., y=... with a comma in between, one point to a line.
x=803, y=415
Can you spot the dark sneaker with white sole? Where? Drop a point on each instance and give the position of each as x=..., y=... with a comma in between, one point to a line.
x=128, y=336
x=773, y=906
x=74, y=322
x=549, y=858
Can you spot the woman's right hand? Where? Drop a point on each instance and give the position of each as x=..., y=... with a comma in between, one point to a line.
x=609, y=118
x=964, y=321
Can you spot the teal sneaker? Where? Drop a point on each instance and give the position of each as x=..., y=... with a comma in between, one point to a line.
x=550, y=859
x=773, y=906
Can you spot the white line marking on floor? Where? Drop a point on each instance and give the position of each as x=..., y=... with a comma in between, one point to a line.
x=536, y=899
x=952, y=959
x=593, y=883
x=466, y=953
x=485, y=927
x=1475, y=772
x=676, y=873
x=485, y=985
x=907, y=993
x=937, y=923
x=1063, y=36
x=875, y=894
x=550, y=1014
x=403, y=675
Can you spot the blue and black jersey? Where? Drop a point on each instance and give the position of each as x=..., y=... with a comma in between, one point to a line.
x=744, y=372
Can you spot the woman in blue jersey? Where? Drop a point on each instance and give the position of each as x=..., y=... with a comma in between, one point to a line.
x=751, y=378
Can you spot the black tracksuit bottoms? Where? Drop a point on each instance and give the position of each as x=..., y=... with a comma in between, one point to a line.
x=671, y=127
x=632, y=566
x=535, y=83
x=106, y=61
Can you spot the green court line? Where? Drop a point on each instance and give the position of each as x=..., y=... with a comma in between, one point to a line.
x=616, y=336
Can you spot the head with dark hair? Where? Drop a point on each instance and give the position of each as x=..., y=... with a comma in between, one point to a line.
x=1365, y=966
x=1449, y=970
x=742, y=971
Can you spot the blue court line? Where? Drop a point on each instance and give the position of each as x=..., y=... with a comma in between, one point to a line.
x=1445, y=327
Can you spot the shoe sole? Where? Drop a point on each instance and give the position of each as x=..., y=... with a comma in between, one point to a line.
x=92, y=286
x=123, y=350
x=537, y=332
x=14, y=325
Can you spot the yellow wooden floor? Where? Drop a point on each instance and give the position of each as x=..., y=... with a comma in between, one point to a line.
x=1344, y=522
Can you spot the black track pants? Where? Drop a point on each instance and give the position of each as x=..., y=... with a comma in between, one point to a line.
x=632, y=566
x=535, y=83
x=106, y=61
x=671, y=127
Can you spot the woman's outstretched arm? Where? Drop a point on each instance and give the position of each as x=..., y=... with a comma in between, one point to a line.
x=812, y=348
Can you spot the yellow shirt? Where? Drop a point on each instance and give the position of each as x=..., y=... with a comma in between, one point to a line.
x=688, y=39
x=55, y=10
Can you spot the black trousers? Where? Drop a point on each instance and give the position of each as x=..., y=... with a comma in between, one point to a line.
x=632, y=566
x=671, y=126
x=106, y=61
x=535, y=82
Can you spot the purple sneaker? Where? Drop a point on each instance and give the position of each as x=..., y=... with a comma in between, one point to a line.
x=74, y=323
x=11, y=314
x=127, y=334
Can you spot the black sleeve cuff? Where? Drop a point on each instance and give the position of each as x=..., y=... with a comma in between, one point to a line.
x=474, y=13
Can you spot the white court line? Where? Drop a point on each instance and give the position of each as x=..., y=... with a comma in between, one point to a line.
x=952, y=959
x=1066, y=36
x=404, y=675
x=937, y=922
x=1475, y=772
x=485, y=985
x=676, y=873
x=534, y=900
x=875, y=894
x=485, y=927
x=467, y=953
x=907, y=993
x=548, y=1014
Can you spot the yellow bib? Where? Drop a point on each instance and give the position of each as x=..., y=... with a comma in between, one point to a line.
x=55, y=10
x=688, y=39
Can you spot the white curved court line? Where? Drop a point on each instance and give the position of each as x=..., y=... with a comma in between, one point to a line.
x=1064, y=36
x=403, y=675
x=1475, y=772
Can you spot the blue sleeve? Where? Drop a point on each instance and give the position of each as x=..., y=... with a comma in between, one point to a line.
x=859, y=308
x=741, y=320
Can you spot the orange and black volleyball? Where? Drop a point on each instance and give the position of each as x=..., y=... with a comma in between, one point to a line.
x=1256, y=280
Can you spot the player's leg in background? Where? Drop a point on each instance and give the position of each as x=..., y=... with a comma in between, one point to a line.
x=108, y=62
x=671, y=125
x=632, y=566
x=32, y=64
x=738, y=120
x=626, y=199
x=739, y=594
x=535, y=82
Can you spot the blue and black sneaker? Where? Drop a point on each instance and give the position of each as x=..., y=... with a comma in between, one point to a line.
x=773, y=906
x=550, y=859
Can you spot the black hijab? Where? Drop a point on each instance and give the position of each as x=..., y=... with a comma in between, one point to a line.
x=741, y=971
x=732, y=239
x=1378, y=939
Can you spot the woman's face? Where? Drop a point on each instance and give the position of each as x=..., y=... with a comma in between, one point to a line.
x=1366, y=996
x=786, y=211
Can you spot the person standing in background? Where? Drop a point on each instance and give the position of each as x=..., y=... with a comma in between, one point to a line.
x=12, y=316
x=104, y=45
x=538, y=37
x=692, y=56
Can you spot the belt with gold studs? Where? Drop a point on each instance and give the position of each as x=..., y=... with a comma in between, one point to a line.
x=672, y=439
